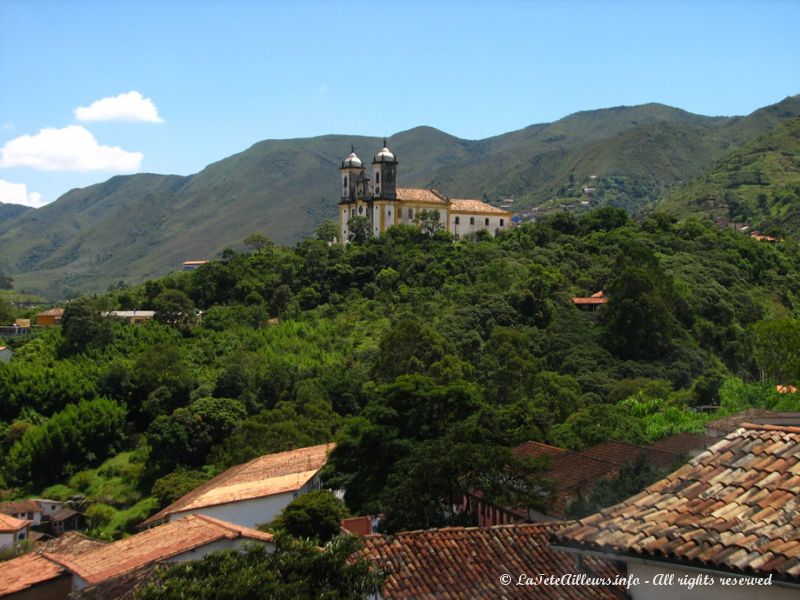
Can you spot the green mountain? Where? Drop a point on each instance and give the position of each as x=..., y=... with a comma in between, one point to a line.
x=757, y=184
x=140, y=226
x=9, y=212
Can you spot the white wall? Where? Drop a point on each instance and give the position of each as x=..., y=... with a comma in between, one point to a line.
x=6, y=540
x=250, y=513
x=464, y=228
x=675, y=591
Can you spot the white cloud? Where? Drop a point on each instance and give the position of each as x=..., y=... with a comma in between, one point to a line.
x=125, y=107
x=71, y=148
x=17, y=193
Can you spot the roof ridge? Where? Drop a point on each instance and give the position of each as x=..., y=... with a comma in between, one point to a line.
x=756, y=426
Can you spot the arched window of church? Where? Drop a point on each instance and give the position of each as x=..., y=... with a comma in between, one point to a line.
x=344, y=183
x=378, y=177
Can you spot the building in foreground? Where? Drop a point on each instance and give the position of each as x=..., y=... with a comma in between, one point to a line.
x=68, y=566
x=481, y=562
x=731, y=513
x=383, y=204
x=254, y=492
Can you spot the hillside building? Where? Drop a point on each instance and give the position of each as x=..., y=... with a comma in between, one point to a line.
x=384, y=204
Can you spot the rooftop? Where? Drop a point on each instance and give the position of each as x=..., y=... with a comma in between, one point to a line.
x=26, y=571
x=475, y=206
x=15, y=507
x=31, y=569
x=466, y=562
x=420, y=195
x=734, y=507
x=263, y=476
x=156, y=544
x=52, y=312
x=9, y=524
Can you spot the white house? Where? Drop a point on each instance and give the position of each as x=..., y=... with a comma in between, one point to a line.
x=29, y=510
x=12, y=531
x=254, y=492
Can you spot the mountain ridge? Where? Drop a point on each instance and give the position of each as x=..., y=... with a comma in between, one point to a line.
x=134, y=227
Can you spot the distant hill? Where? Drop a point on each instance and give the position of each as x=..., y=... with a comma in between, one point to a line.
x=139, y=226
x=9, y=212
x=758, y=184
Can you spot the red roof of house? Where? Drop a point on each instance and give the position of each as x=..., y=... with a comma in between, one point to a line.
x=463, y=563
x=156, y=544
x=596, y=298
x=9, y=524
x=684, y=444
x=26, y=571
x=263, y=476
x=536, y=449
x=16, y=507
x=734, y=507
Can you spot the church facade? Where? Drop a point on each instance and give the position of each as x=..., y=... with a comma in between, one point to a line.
x=384, y=204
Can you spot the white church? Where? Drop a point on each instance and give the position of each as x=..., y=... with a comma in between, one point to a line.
x=385, y=204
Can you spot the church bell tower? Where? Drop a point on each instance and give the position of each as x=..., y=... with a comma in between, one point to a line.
x=384, y=174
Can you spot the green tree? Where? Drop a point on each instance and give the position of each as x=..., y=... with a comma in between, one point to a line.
x=429, y=222
x=776, y=348
x=327, y=231
x=296, y=570
x=359, y=229
x=6, y=281
x=315, y=516
x=7, y=312
x=80, y=436
x=169, y=488
x=83, y=325
x=173, y=307
x=258, y=242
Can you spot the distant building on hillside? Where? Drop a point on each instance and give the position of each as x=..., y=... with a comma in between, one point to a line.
x=191, y=265
x=50, y=317
x=132, y=317
x=384, y=204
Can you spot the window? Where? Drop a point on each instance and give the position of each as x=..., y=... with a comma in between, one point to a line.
x=472, y=220
x=378, y=177
x=410, y=213
x=361, y=210
x=487, y=222
x=502, y=222
x=344, y=182
x=389, y=212
x=457, y=220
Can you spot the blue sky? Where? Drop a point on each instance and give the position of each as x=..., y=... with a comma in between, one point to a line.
x=212, y=78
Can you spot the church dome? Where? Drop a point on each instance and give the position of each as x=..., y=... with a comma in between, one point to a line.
x=384, y=155
x=352, y=160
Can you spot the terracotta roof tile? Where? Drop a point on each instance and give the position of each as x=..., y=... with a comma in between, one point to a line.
x=156, y=544
x=9, y=524
x=465, y=563
x=744, y=519
x=264, y=476
x=15, y=507
x=420, y=195
x=462, y=205
x=26, y=571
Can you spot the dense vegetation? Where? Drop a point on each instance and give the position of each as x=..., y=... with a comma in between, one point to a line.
x=426, y=360
x=758, y=184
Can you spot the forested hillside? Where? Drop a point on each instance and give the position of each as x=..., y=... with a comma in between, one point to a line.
x=758, y=184
x=141, y=226
x=424, y=358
